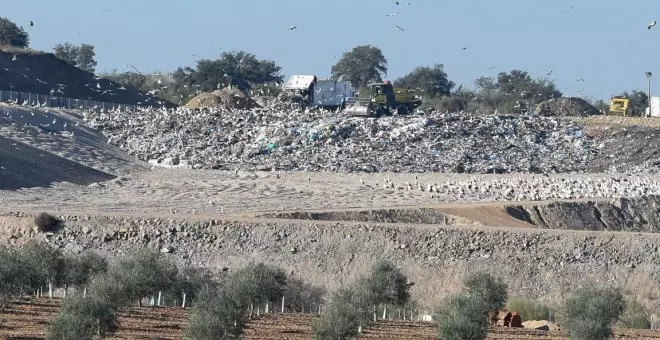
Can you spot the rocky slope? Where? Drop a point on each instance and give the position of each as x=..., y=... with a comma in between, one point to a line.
x=536, y=262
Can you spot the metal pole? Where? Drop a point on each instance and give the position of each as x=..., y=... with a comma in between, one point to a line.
x=648, y=76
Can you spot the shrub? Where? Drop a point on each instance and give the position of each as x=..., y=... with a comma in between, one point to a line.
x=41, y=264
x=635, y=316
x=144, y=273
x=343, y=317
x=257, y=284
x=79, y=269
x=46, y=222
x=68, y=326
x=15, y=277
x=488, y=289
x=299, y=296
x=529, y=310
x=105, y=287
x=215, y=315
x=385, y=285
x=590, y=313
x=462, y=317
x=81, y=318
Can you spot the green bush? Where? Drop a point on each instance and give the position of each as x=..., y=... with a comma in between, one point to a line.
x=299, y=296
x=105, y=287
x=590, y=313
x=81, y=318
x=79, y=269
x=215, y=315
x=529, y=310
x=145, y=273
x=490, y=290
x=42, y=264
x=462, y=317
x=257, y=284
x=386, y=284
x=69, y=326
x=343, y=316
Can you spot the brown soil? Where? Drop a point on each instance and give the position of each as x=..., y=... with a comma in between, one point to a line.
x=29, y=319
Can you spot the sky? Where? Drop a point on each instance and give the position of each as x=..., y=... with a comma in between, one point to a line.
x=604, y=42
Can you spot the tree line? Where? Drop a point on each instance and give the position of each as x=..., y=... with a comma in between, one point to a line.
x=514, y=91
x=222, y=303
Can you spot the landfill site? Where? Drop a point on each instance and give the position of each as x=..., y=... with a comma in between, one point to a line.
x=550, y=200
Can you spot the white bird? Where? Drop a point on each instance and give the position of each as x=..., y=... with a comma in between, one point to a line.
x=292, y=28
x=98, y=85
x=391, y=14
x=652, y=24
x=13, y=58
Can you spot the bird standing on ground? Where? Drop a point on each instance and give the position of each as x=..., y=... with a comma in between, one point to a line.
x=652, y=24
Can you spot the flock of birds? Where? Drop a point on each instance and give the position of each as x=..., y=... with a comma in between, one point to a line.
x=530, y=188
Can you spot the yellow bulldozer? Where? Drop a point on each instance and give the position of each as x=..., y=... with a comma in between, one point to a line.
x=383, y=99
x=620, y=106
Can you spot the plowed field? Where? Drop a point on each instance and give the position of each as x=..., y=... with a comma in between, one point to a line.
x=28, y=320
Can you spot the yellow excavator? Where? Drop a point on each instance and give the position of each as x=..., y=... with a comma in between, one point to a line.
x=383, y=99
x=620, y=106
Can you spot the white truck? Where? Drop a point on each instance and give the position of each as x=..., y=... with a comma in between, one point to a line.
x=326, y=93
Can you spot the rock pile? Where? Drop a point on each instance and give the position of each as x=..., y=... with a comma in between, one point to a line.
x=226, y=98
x=576, y=107
x=283, y=137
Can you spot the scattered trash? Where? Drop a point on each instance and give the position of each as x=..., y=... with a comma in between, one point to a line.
x=285, y=136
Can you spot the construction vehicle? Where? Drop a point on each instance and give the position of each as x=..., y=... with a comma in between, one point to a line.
x=383, y=99
x=620, y=106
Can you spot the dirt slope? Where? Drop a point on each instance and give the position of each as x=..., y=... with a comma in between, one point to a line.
x=24, y=166
x=41, y=73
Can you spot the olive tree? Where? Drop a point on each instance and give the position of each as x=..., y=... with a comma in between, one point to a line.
x=591, y=312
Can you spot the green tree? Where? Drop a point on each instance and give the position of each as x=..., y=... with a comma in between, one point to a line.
x=13, y=35
x=429, y=80
x=46, y=264
x=344, y=314
x=639, y=101
x=216, y=315
x=144, y=273
x=79, y=269
x=236, y=68
x=492, y=291
x=81, y=318
x=591, y=312
x=462, y=317
x=361, y=65
x=385, y=285
x=82, y=56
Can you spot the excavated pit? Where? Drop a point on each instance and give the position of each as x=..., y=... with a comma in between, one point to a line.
x=639, y=214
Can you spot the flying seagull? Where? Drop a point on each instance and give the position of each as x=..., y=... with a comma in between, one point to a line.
x=292, y=28
x=568, y=10
x=549, y=73
x=391, y=14
x=399, y=27
x=396, y=2
x=652, y=24
x=464, y=48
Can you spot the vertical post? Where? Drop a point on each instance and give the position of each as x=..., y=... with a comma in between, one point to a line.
x=648, y=76
x=85, y=292
x=282, y=303
x=266, y=311
x=159, y=297
x=50, y=289
x=183, y=304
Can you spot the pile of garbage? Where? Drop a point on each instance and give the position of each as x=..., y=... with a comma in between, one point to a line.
x=282, y=136
x=575, y=107
x=227, y=98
